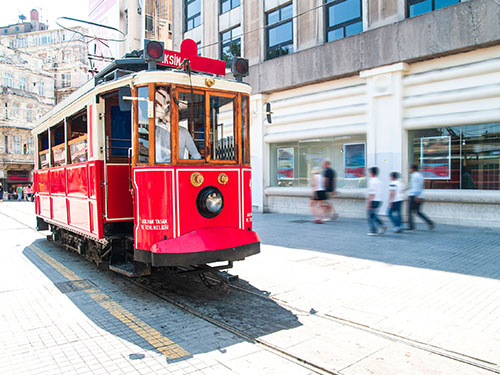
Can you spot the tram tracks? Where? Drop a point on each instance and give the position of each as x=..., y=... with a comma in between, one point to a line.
x=436, y=350
x=217, y=317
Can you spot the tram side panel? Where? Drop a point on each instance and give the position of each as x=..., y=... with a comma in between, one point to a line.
x=70, y=196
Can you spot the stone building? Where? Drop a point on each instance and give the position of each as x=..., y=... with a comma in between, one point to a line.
x=365, y=83
x=27, y=92
x=38, y=68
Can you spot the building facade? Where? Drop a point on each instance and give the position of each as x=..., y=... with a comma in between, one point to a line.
x=27, y=92
x=365, y=83
x=38, y=68
x=63, y=53
x=136, y=20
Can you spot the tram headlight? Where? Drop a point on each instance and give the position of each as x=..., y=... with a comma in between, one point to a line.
x=210, y=202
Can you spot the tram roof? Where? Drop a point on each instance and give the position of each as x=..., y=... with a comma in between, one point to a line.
x=126, y=72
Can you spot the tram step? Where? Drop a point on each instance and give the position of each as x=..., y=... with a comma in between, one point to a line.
x=129, y=270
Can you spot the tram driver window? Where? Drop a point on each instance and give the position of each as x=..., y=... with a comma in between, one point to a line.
x=162, y=125
x=191, y=139
x=222, y=128
x=143, y=125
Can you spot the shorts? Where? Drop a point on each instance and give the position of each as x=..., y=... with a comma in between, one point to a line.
x=320, y=195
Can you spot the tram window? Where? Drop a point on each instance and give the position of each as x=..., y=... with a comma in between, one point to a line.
x=222, y=128
x=245, y=130
x=162, y=125
x=77, y=135
x=191, y=126
x=58, y=145
x=143, y=125
x=43, y=144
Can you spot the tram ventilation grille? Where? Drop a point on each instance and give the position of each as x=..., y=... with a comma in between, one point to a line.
x=75, y=286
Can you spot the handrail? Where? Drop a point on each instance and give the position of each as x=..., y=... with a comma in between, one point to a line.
x=79, y=139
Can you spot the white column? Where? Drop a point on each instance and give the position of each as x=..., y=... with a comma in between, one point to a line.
x=259, y=151
x=386, y=138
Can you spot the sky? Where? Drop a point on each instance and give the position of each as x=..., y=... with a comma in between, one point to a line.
x=49, y=10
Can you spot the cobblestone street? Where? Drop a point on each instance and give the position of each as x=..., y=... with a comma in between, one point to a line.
x=318, y=299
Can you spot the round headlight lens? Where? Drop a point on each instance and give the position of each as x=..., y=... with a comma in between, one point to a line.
x=214, y=202
x=210, y=202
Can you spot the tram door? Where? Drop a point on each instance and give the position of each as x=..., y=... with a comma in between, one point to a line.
x=118, y=140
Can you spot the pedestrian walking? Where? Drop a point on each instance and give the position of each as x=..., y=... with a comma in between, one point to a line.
x=329, y=182
x=416, y=198
x=19, y=191
x=373, y=202
x=396, y=198
x=318, y=195
x=1, y=192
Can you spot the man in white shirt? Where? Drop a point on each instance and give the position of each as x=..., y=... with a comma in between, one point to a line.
x=396, y=197
x=416, y=198
x=162, y=136
x=373, y=201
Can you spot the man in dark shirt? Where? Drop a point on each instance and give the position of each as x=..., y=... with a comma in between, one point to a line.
x=329, y=177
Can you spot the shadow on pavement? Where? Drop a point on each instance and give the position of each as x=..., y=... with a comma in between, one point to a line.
x=460, y=249
x=251, y=314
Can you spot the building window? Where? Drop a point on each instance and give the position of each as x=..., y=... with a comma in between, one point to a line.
x=22, y=83
x=458, y=157
x=40, y=89
x=30, y=145
x=227, y=5
x=343, y=18
x=6, y=143
x=17, y=145
x=230, y=44
x=418, y=7
x=9, y=81
x=292, y=162
x=279, y=32
x=15, y=111
x=66, y=80
x=193, y=14
x=29, y=115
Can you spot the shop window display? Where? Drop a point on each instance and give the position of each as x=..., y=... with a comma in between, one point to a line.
x=458, y=157
x=292, y=162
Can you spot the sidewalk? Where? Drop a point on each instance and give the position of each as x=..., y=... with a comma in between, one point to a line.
x=439, y=288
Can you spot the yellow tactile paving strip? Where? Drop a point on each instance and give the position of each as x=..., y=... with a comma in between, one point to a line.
x=161, y=343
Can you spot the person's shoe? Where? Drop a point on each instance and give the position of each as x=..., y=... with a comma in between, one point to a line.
x=397, y=230
x=382, y=229
x=410, y=229
x=432, y=226
x=335, y=216
x=371, y=234
x=318, y=221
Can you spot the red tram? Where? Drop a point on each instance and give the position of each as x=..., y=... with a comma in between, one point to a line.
x=149, y=166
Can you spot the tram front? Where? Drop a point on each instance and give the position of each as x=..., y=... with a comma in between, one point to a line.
x=191, y=175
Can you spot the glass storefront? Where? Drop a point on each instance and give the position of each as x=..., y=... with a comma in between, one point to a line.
x=458, y=157
x=292, y=162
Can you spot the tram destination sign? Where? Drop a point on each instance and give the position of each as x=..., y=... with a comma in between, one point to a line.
x=189, y=50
